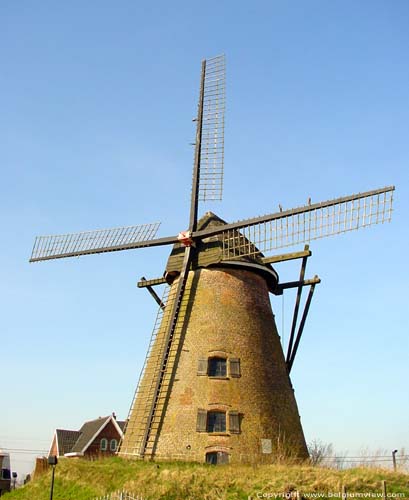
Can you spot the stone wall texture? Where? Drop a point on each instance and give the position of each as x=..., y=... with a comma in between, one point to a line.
x=225, y=313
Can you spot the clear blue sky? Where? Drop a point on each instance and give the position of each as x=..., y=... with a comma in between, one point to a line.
x=96, y=102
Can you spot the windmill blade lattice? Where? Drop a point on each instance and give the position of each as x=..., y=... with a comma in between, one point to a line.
x=89, y=242
x=212, y=132
x=144, y=393
x=147, y=410
x=307, y=223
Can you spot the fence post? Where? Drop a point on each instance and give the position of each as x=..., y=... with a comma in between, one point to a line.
x=384, y=490
x=344, y=492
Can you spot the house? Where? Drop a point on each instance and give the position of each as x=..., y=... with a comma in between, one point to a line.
x=96, y=438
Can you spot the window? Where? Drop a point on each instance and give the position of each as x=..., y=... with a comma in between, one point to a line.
x=216, y=421
x=217, y=457
x=113, y=445
x=103, y=444
x=217, y=367
x=5, y=474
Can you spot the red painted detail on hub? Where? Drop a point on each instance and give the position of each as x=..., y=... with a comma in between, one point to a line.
x=185, y=237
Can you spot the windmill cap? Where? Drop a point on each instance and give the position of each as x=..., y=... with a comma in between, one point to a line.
x=209, y=253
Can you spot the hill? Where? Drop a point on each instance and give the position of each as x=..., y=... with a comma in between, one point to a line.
x=84, y=480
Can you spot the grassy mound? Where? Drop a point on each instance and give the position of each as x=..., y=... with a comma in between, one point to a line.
x=84, y=480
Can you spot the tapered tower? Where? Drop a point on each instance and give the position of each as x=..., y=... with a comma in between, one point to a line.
x=225, y=389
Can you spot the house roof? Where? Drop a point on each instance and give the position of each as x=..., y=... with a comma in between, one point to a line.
x=90, y=430
x=121, y=424
x=66, y=440
x=76, y=442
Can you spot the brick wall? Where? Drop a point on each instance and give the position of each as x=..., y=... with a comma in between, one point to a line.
x=227, y=312
x=94, y=449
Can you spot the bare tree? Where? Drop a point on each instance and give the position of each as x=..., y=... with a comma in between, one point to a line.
x=319, y=451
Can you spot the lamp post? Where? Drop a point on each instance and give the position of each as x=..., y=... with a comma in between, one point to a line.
x=52, y=460
x=394, y=459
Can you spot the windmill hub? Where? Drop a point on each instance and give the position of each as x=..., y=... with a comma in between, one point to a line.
x=185, y=238
x=209, y=253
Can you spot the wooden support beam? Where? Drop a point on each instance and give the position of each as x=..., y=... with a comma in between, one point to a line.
x=145, y=283
x=295, y=284
x=152, y=292
x=290, y=362
x=297, y=304
x=286, y=256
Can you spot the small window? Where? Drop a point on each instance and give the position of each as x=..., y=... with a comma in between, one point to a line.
x=104, y=444
x=5, y=474
x=216, y=421
x=217, y=367
x=217, y=457
x=113, y=445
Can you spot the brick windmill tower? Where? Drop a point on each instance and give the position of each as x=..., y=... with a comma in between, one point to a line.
x=216, y=385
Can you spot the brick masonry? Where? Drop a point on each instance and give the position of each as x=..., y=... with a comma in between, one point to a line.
x=227, y=312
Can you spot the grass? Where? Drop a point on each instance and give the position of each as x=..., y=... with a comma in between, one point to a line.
x=84, y=480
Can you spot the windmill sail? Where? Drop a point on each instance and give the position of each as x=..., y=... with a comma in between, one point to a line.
x=137, y=421
x=303, y=224
x=89, y=242
x=212, y=130
x=149, y=404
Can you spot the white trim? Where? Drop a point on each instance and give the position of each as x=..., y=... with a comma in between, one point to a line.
x=52, y=442
x=110, y=418
x=74, y=454
x=117, y=427
x=116, y=445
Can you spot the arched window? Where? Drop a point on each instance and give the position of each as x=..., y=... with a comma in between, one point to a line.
x=113, y=445
x=217, y=457
x=103, y=444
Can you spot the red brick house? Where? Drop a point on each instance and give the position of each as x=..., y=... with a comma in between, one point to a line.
x=96, y=438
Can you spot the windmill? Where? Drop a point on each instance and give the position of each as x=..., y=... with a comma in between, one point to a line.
x=215, y=385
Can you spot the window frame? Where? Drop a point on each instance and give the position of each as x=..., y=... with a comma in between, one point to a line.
x=113, y=440
x=222, y=457
x=216, y=415
x=219, y=361
x=103, y=444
